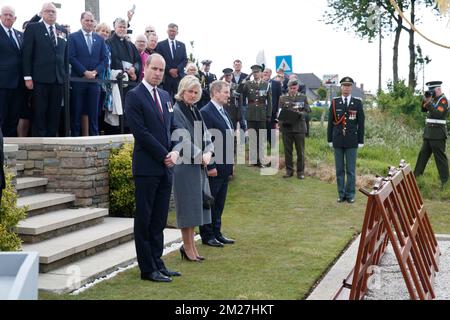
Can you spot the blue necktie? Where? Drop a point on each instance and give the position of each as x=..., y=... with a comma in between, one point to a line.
x=225, y=117
x=52, y=36
x=12, y=39
x=89, y=42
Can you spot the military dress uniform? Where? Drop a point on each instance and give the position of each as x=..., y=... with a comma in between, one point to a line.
x=206, y=78
x=294, y=132
x=435, y=135
x=346, y=133
x=259, y=101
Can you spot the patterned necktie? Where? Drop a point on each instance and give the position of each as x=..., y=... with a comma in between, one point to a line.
x=12, y=39
x=224, y=115
x=155, y=98
x=173, y=49
x=52, y=36
x=89, y=42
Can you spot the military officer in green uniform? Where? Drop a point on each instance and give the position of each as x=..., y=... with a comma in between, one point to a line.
x=294, y=105
x=259, y=101
x=346, y=134
x=435, y=104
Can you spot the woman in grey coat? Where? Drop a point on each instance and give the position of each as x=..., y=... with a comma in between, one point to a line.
x=189, y=179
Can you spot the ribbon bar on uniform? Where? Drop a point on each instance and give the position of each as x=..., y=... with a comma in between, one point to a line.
x=436, y=121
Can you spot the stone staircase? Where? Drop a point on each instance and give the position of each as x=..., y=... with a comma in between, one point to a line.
x=75, y=246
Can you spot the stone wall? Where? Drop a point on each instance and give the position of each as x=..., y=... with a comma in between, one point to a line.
x=10, y=154
x=72, y=165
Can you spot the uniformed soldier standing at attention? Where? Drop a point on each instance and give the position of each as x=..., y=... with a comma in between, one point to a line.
x=206, y=78
x=435, y=134
x=346, y=135
x=259, y=101
x=294, y=129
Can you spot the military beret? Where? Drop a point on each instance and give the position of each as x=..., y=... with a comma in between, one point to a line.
x=292, y=82
x=433, y=84
x=227, y=71
x=256, y=68
x=206, y=62
x=347, y=80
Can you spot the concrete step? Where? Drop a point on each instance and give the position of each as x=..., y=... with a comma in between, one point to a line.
x=30, y=186
x=20, y=167
x=71, y=277
x=74, y=246
x=45, y=202
x=57, y=223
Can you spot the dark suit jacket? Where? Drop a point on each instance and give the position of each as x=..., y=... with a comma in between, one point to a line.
x=214, y=120
x=152, y=135
x=180, y=60
x=276, y=94
x=2, y=159
x=243, y=76
x=354, y=133
x=41, y=60
x=79, y=56
x=10, y=60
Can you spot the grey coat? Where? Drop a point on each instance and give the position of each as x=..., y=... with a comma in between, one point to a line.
x=189, y=177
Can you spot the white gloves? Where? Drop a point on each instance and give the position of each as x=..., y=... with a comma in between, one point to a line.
x=360, y=145
x=330, y=144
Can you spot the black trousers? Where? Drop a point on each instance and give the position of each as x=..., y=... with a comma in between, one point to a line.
x=291, y=139
x=47, y=100
x=152, y=206
x=219, y=189
x=436, y=147
x=257, y=152
x=11, y=103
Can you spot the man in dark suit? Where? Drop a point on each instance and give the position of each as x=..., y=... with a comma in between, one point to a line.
x=44, y=69
x=346, y=134
x=238, y=77
x=148, y=111
x=275, y=87
x=11, y=83
x=88, y=57
x=174, y=52
x=221, y=127
x=2, y=172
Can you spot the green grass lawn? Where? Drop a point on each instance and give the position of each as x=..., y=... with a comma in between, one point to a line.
x=288, y=233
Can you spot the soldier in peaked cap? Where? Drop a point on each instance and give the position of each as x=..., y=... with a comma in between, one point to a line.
x=346, y=134
x=435, y=134
x=293, y=127
x=232, y=107
x=206, y=78
x=259, y=101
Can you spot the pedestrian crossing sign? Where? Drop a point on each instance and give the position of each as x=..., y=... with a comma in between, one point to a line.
x=284, y=62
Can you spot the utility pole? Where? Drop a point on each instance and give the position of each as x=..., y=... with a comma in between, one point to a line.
x=94, y=7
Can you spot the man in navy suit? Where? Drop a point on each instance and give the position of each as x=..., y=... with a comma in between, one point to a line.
x=221, y=128
x=148, y=111
x=174, y=53
x=88, y=57
x=11, y=84
x=44, y=70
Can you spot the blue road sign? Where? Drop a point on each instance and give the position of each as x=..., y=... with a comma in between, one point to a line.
x=284, y=62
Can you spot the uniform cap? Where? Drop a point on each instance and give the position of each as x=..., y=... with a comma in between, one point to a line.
x=433, y=84
x=256, y=68
x=227, y=71
x=347, y=80
x=206, y=62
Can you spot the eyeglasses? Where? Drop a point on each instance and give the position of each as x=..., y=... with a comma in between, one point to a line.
x=149, y=31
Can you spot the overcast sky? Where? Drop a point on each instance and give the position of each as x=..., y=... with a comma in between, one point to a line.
x=226, y=30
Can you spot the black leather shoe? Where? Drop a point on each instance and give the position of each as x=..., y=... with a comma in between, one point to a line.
x=156, y=276
x=351, y=200
x=301, y=177
x=213, y=243
x=287, y=175
x=340, y=200
x=170, y=273
x=225, y=240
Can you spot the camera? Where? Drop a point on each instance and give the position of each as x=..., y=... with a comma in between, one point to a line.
x=430, y=94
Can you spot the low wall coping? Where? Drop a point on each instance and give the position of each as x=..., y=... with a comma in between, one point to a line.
x=95, y=140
